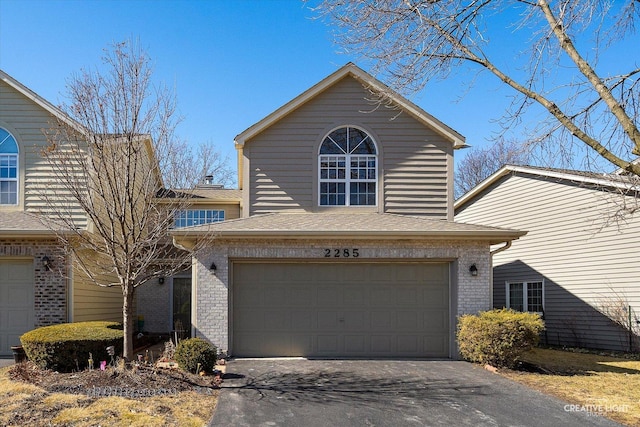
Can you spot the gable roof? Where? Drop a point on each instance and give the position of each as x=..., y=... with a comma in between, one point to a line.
x=368, y=80
x=613, y=181
x=38, y=100
x=346, y=226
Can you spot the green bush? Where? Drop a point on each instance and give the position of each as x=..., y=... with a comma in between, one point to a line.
x=498, y=337
x=66, y=347
x=193, y=351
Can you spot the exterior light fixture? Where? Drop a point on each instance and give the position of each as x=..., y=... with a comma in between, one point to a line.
x=161, y=280
x=213, y=267
x=473, y=270
x=46, y=262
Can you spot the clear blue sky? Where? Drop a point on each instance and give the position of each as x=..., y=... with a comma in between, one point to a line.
x=231, y=62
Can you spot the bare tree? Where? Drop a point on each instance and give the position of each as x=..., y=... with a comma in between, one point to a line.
x=479, y=164
x=106, y=159
x=202, y=160
x=588, y=102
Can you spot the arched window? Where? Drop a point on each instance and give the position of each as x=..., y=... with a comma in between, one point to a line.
x=348, y=169
x=8, y=169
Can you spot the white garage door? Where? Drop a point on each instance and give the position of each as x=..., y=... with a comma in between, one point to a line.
x=16, y=302
x=340, y=310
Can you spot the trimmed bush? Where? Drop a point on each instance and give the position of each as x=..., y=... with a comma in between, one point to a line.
x=498, y=337
x=193, y=351
x=66, y=347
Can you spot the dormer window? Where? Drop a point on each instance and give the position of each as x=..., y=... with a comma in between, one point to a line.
x=348, y=167
x=8, y=169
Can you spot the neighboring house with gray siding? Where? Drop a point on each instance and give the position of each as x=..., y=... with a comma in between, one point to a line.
x=345, y=245
x=575, y=260
x=37, y=284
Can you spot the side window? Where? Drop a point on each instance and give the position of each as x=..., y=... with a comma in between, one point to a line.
x=525, y=296
x=348, y=165
x=190, y=217
x=8, y=168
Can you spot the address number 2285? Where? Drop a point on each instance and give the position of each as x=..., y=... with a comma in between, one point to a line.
x=341, y=253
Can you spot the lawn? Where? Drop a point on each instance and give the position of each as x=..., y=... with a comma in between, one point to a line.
x=32, y=405
x=597, y=384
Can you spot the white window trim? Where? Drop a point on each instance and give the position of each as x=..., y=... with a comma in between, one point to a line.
x=347, y=180
x=525, y=287
x=17, y=178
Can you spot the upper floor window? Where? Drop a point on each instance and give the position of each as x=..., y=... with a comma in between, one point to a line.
x=8, y=169
x=526, y=296
x=348, y=169
x=189, y=217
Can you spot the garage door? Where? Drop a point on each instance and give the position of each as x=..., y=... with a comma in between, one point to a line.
x=340, y=310
x=16, y=302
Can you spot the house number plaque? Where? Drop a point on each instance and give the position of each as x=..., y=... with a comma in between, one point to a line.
x=342, y=253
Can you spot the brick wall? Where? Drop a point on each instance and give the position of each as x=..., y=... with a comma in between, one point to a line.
x=470, y=293
x=153, y=302
x=50, y=286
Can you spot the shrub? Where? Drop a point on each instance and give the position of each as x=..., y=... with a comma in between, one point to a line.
x=66, y=347
x=498, y=337
x=193, y=351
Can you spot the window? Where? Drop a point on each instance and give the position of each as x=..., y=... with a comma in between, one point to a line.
x=8, y=169
x=191, y=217
x=348, y=168
x=526, y=296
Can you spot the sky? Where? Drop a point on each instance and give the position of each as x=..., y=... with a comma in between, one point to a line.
x=231, y=62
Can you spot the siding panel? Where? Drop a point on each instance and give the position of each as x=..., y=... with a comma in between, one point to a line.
x=584, y=263
x=412, y=158
x=26, y=121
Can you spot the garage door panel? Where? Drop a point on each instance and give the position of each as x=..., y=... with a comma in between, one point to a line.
x=301, y=297
x=356, y=320
x=328, y=344
x=383, y=320
x=328, y=296
x=303, y=320
x=341, y=310
x=355, y=344
x=408, y=344
x=329, y=320
x=436, y=320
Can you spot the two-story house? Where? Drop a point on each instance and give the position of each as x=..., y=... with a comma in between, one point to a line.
x=38, y=285
x=345, y=245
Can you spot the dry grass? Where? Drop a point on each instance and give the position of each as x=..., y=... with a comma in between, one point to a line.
x=600, y=384
x=27, y=404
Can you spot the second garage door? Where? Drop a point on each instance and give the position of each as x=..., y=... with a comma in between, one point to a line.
x=340, y=309
x=16, y=302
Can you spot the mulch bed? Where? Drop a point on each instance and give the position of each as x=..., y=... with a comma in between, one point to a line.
x=132, y=381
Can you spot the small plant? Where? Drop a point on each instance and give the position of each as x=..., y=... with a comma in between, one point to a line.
x=196, y=354
x=498, y=337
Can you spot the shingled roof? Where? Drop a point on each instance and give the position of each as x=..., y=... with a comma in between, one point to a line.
x=343, y=225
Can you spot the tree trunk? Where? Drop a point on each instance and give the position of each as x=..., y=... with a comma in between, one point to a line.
x=128, y=321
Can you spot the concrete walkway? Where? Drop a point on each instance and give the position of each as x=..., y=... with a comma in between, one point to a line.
x=298, y=392
x=6, y=362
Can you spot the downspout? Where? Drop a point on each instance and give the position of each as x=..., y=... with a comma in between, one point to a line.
x=506, y=246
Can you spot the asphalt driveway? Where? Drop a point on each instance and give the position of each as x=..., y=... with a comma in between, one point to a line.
x=298, y=392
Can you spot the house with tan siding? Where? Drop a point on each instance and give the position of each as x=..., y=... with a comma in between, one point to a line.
x=345, y=244
x=578, y=261
x=39, y=285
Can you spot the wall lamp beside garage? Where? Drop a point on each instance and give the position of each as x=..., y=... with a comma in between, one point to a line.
x=161, y=280
x=46, y=262
x=213, y=267
x=473, y=270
